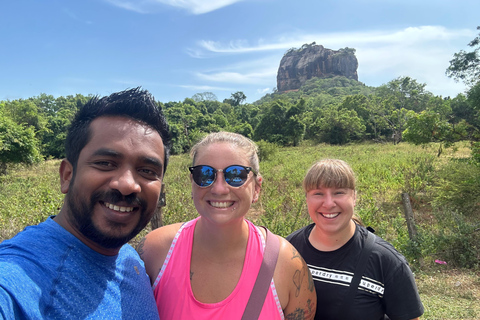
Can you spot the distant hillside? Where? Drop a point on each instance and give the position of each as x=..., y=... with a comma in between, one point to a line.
x=337, y=88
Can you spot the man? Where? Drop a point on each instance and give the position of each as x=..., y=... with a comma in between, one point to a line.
x=77, y=265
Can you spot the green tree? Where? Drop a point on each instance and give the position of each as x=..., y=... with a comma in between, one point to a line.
x=18, y=143
x=272, y=124
x=282, y=123
x=370, y=110
x=236, y=99
x=465, y=66
x=204, y=96
x=337, y=126
x=408, y=93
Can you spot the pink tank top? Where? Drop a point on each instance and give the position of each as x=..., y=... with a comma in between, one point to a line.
x=173, y=292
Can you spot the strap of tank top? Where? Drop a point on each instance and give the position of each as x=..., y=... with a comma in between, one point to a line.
x=264, y=277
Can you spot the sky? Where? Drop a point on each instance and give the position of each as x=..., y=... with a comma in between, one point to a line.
x=177, y=48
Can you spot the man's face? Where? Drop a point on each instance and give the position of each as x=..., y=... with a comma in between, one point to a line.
x=115, y=190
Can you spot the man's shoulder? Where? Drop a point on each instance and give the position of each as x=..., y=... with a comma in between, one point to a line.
x=33, y=251
x=32, y=238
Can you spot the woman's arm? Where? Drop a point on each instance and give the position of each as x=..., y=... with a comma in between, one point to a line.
x=296, y=289
x=153, y=248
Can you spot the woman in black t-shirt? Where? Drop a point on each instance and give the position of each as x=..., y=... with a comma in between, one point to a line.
x=332, y=247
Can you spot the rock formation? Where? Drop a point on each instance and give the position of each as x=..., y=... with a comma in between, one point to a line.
x=311, y=60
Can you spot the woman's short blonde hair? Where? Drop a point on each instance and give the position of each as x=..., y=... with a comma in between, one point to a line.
x=329, y=173
x=245, y=144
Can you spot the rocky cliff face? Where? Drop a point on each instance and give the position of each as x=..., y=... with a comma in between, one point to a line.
x=311, y=60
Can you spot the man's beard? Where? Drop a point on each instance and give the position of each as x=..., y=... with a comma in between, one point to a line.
x=81, y=216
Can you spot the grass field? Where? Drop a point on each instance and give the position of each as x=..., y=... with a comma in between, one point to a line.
x=28, y=195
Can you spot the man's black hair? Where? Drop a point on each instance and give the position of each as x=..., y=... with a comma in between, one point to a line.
x=136, y=104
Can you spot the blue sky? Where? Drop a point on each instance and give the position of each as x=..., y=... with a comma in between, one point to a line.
x=176, y=48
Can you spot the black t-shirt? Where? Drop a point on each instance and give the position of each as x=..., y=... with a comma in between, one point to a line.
x=387, y=287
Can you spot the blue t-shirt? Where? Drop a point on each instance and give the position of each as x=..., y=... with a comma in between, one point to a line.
x=47, y=273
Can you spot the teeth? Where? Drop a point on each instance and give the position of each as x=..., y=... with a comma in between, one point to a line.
x=118, y=208
x=220, y=204
x=330, y=215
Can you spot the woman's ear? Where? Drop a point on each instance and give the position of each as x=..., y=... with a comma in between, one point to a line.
x=66, y=175
x=258, y=188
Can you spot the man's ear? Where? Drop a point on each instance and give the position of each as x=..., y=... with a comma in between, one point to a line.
x=66, y=174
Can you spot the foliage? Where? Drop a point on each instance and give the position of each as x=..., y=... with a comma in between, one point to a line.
x=336, y=110
x=458, y=187
x=429, y=126
x=204, y=96
x=236, y=98
x=338, y=126
x=17, y=144
x=465, y=66
x=266, y=150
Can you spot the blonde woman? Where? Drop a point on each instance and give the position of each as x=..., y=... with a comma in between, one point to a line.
x=332, y=246
x=206, y=268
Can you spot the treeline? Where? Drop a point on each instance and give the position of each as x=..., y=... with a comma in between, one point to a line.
x=333, y=111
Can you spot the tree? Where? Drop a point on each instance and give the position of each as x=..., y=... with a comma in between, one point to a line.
x=17, y=144
x=272, y=124
x=430, y=126
x=338, y=126
x=204, y=96
x=409, y=94
x=236, y=98
x=465, y=66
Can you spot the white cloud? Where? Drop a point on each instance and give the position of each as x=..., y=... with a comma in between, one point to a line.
x=263, y=91
x=204, y=88
x=75, y=17
x=192, y=6
x=414, y=35
x=249, y=77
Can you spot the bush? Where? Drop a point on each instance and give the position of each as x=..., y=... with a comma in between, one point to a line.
x=266, y=150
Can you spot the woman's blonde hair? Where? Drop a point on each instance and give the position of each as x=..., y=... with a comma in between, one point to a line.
x=329, y=173
x=245, y=144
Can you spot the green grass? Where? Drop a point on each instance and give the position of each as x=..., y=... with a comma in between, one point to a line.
x=28, y=195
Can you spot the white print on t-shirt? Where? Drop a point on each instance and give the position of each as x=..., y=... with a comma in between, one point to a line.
x=344, y=278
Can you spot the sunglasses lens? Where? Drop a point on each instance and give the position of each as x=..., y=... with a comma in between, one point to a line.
x=203, y=175
x=235, y=175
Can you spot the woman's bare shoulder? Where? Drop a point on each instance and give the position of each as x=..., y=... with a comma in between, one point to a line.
x=153, y=248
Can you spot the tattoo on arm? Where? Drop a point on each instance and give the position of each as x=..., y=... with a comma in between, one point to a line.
x=302, y=314
x=297, y=280
x=191, y=275
x=139, y=247
x=298, y=314
x=295, y=254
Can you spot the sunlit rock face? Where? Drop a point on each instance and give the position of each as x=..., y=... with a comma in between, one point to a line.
x=310, y=61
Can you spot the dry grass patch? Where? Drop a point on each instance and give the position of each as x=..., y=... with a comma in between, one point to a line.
x=450, y=292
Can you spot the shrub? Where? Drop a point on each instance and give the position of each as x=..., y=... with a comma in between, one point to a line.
x=266, y=150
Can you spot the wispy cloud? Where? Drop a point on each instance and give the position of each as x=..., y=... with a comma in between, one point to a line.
x=205, y=88
x=192, y=6
x=409, y=36
x=234, y=77
x=75, y=17
x=263, y=91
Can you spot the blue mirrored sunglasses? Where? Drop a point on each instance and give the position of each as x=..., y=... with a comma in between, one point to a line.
x=235, y=176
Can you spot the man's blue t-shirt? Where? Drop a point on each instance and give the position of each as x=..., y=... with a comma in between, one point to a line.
x=47, y=273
